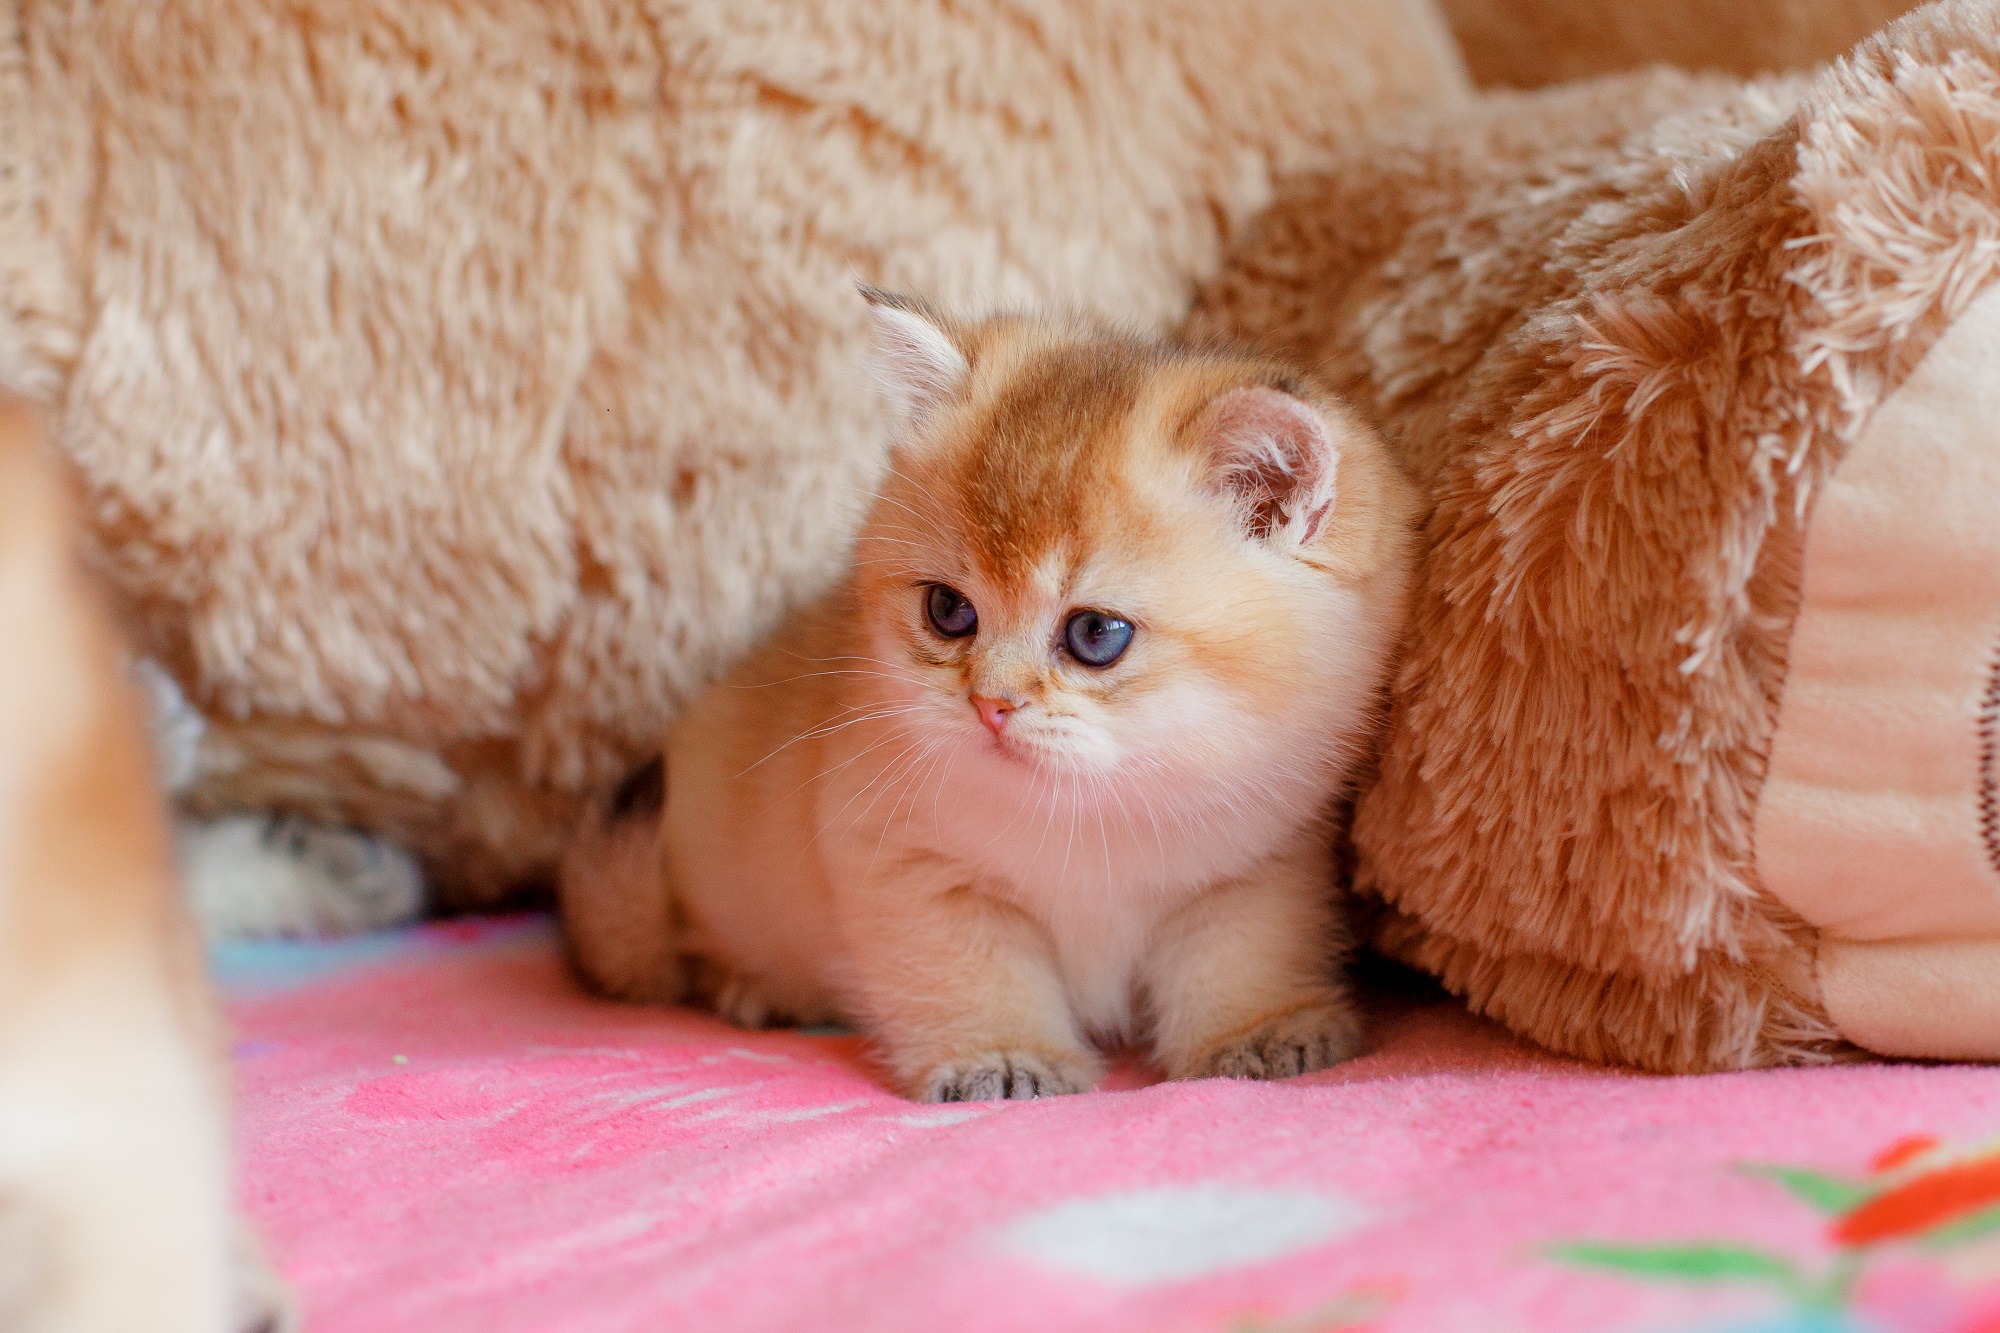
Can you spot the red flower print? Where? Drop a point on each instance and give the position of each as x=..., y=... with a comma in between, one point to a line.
x=1902, y=1151
x=1923, y=1203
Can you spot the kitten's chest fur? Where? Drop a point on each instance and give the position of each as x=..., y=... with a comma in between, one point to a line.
x=1097, y=870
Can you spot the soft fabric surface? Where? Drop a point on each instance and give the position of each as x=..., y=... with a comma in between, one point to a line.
x=457, y=394
x=440, y=1132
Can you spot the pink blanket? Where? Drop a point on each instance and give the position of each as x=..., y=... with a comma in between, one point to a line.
x=440, y=1133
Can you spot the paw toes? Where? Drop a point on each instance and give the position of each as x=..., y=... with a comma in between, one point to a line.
x=1025, y=1081
x=974, y=1085
x=1301, y=1043
x=742, y=1000
x=1002, y=1076
x=743, y=1008
x=986, y=1085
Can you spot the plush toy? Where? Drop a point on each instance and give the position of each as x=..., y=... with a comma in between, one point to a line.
x=453, y=397
x=1692, y=761
x=454, y=388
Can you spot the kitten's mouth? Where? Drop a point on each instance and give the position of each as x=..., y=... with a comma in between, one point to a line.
x=1011, y=743
x=1042, y=752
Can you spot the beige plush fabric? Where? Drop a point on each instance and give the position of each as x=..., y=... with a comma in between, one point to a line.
x=1879, y=822
x=1533, y=43
x=1928, y=998
x=457, y=387
x=1877, y=818
x=1624, y=331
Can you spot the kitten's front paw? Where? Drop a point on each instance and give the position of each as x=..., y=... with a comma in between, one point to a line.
x=746, y=1001
x=1297, y=1041
x=993, y=1076
x=740, y=1001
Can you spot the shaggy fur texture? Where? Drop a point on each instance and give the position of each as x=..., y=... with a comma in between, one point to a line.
x=1533, y=43
x=458, y=387
x=1622, y=331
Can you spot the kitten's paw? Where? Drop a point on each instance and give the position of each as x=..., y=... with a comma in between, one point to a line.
x=1009, y=1076
x=263, y=877
x=1294, y=1042
x=747, y=1001
x=739, y=1000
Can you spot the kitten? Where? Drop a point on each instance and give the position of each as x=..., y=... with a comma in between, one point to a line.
x=1055, y=763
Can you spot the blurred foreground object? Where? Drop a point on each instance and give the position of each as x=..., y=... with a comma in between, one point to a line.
x=114, y=1169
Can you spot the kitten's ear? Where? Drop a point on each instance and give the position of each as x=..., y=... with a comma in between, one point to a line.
x=913, y=358
x=1274, y=456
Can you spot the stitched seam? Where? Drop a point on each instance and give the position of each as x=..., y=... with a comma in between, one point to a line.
x=1989, y=758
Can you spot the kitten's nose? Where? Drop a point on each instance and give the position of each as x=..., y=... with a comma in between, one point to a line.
x=994, y=712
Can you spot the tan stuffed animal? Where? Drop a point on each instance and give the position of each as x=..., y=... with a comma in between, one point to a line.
x=1693, y=759
x=463, y=388
x=457, y=394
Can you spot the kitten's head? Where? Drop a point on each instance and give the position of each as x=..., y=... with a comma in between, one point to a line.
x=1099, y=557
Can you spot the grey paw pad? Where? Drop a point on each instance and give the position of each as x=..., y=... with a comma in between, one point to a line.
x=1302, y=1045
x=1002, y=1076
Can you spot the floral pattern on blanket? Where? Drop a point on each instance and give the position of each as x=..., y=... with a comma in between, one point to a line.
x=439, y=1132
x=1912, y=1245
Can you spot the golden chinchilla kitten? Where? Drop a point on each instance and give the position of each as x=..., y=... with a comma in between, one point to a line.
x=1055, y=762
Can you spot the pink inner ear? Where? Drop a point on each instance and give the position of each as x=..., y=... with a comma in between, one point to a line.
x=1274, y=454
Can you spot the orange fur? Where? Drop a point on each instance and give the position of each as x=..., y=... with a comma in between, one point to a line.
x=1139, y=849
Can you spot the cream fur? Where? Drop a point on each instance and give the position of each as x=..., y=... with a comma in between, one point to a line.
x=1623, y=389
x=462, y=392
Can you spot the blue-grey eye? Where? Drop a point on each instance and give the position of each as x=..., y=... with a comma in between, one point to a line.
x=1096, y=638
x=951, y=615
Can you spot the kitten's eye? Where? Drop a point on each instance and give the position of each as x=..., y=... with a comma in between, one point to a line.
x=1096, y=639
x=951, y=615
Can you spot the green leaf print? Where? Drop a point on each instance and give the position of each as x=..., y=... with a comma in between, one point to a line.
x=1830, y=1195
x=1682, y=1263
x=1980, y=1224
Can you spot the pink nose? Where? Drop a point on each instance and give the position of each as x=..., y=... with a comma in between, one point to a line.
x=994, y=712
